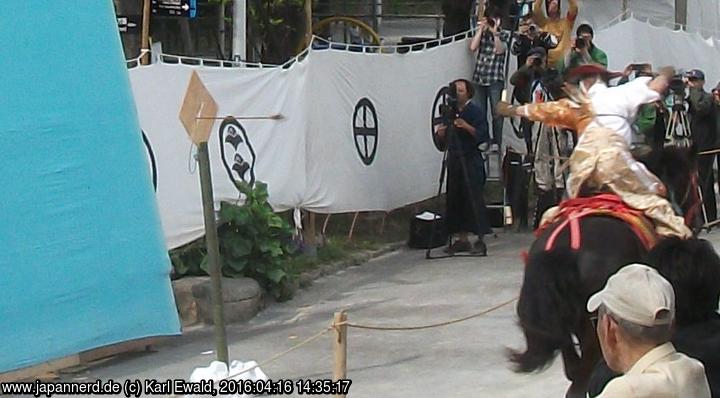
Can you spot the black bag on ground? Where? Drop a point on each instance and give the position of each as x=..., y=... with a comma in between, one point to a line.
x=422, y=233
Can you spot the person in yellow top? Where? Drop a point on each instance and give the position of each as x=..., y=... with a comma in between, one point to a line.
x=559, y=27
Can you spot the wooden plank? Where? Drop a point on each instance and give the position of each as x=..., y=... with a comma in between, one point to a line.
x=37, y=370
x=119, y=348
x=33, y=372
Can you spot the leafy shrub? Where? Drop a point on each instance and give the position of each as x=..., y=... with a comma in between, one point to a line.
x=255, y=242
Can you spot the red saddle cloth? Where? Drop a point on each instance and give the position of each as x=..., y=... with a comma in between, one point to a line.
x=608, y=205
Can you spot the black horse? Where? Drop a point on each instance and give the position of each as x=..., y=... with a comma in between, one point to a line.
x=558, y=283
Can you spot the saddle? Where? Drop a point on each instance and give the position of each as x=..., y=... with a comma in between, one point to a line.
x=608, y=205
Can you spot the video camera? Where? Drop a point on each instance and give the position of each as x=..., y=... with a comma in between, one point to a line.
x=677, y=85
x=449, y=110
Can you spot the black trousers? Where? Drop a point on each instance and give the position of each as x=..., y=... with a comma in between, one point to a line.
x=517, y=177
x=544, y=201
x=465, y=203
x=706, y=180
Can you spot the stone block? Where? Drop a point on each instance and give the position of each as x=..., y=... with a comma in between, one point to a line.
x=242, y=299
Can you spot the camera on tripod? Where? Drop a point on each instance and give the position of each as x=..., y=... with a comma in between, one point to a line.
x=677, y=87
x=449, y=110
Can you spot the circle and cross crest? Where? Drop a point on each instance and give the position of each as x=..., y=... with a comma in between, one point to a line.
x=365, y=130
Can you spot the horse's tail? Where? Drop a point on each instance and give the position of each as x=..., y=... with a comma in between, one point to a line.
x=547, y=308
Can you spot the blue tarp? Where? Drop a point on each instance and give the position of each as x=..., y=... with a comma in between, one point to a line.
x=82, y=258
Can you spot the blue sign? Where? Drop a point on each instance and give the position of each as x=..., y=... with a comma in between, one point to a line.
x=174, y=8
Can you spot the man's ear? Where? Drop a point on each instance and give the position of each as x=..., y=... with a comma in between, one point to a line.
x=611, y=332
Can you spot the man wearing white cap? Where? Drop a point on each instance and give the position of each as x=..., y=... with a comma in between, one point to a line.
x=635, y=313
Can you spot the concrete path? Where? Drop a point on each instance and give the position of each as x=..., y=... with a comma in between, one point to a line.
x=461, y=360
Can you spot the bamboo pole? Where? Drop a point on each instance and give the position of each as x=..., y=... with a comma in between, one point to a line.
x=145, y=34
x=211, y=240
x=681, y=14
x=624, y=9
x=308, y=22
x=340, y=347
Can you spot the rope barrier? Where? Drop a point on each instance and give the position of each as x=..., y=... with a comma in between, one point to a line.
x=282, y=354
x=435, y=325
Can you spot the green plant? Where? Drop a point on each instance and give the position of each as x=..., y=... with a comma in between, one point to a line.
x=255, y=242
x=275, y=28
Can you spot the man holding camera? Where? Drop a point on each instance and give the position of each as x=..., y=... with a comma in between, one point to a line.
x=529, y=36
x=702, y=112
x=489, y=74
x=583, y=51
x=518, y=168
x=534, y=83
x=465, y=206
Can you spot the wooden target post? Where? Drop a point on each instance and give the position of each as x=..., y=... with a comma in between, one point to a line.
x=196, y=114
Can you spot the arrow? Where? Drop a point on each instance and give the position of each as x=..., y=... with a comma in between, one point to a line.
x=185, y=7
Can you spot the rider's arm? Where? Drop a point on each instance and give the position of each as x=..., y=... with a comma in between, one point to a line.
x=636, y=93
x=562, y=113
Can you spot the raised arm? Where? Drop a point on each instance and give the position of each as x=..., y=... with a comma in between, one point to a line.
x=572, y=10
x=539, y=13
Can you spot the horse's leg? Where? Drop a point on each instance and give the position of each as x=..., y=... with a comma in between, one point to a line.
x=590, y=349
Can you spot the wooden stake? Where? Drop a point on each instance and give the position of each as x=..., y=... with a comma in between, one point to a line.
x=340, y=347
x=145, y=35
x=310, y=237
x=352, y=226
x=211, y=240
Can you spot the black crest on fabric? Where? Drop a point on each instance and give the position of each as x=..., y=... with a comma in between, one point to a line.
x=237, y=152
x=151, y=160
x=365, y=130
x=436, y=117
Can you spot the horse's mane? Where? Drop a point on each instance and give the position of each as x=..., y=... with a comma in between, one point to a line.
x=693, y=268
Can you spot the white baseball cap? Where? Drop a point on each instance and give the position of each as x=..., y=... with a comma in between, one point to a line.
x=637, y=294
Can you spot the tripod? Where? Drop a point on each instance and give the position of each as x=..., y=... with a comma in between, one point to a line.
x=678, y=129
x=451, y=137
x=678, y=133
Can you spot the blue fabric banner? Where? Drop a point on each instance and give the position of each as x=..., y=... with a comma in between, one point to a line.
x=83, y=262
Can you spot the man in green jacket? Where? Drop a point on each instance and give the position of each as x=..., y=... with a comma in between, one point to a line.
x=583, y=51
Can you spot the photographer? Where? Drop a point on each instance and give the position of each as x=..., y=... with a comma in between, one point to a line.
x=702, y=112
x=529, y=36
x=462, y=133
x=582, y=51
x=489, y=74
x=517, y=168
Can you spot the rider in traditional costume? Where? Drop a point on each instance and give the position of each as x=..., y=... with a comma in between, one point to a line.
x=601, y=161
